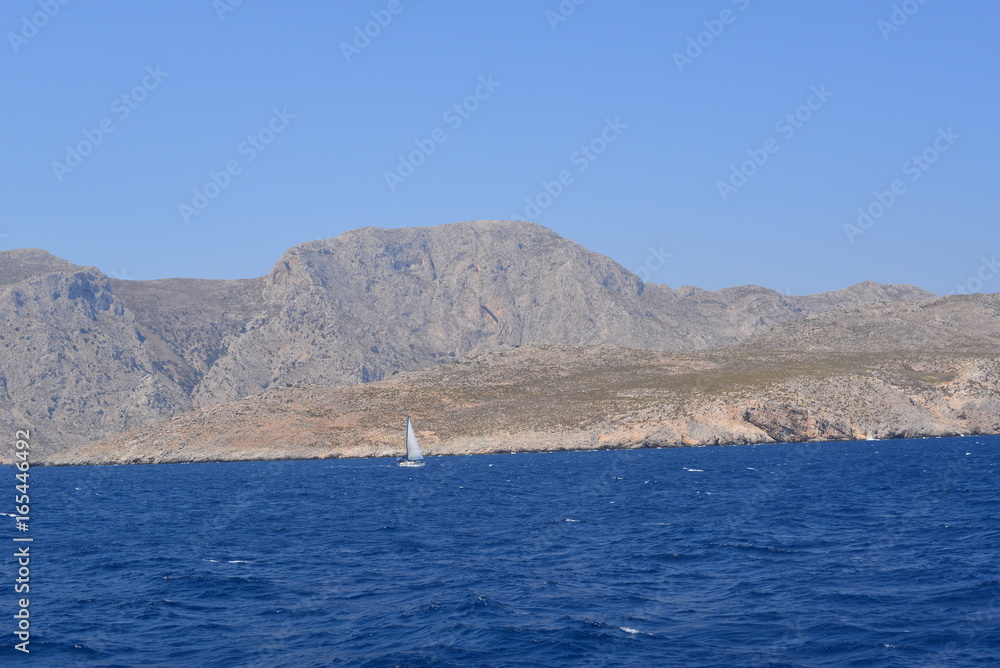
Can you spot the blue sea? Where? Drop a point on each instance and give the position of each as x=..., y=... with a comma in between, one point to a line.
x=838, y=554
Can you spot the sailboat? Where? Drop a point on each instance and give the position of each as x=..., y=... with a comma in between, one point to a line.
x=413, y=455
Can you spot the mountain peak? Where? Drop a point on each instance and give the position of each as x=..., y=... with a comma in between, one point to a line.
x=21, y=264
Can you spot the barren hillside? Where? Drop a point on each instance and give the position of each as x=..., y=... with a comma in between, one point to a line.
x=552, y=398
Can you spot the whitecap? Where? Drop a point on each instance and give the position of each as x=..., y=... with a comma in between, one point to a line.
x=239, y=561
x=694, y=470
x=629, y=629
x=569, y=520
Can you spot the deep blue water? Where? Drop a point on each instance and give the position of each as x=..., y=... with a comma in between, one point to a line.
x=849, y=554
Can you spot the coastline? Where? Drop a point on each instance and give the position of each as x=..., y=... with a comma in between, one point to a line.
x=560, y=399
x=499, y=452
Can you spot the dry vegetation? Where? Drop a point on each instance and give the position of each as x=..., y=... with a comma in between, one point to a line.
x=559, y=397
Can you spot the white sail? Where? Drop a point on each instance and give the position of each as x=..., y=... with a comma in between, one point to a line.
x=412, y=447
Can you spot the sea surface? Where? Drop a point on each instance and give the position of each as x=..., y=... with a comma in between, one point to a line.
x=839, y=554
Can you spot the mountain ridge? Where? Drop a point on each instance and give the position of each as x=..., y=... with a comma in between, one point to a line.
x=84, y=356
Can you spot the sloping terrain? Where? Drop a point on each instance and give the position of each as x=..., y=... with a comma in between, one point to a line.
x=552, y=398
x=957, y=323
x=83, y=356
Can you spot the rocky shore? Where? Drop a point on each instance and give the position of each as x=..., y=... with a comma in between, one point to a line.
x=550, y=398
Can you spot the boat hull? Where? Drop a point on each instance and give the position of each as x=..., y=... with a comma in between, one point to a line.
x=406, y=462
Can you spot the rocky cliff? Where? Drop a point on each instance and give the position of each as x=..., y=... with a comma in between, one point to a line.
x=83, y=356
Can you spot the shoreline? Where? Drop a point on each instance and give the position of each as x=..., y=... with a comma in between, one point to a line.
x=577, y=399
x=429, y=455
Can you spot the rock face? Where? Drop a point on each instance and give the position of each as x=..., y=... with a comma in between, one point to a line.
x=185, y=323
x=554, y=398
x=958, y=323
x=24, y=263
x=83, y=356
x=73, y=362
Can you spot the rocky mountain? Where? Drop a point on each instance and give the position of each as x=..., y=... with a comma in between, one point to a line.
x=24, y=263
x=72, y=361
x=594, y=397
x=956, y=323
x=84, y=356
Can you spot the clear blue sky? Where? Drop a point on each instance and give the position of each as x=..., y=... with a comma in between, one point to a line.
x=673, y=130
